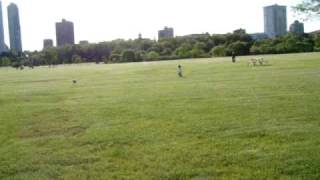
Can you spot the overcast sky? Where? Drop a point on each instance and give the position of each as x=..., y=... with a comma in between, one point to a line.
x=104, y=20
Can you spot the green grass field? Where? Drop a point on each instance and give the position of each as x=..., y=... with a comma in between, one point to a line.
x=140, y=121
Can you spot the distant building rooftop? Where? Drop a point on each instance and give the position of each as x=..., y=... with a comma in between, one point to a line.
x=83, y=42
x=275, y=5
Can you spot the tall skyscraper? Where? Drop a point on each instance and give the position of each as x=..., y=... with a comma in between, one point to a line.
x=14, y=28
x=47, y=43
x=2, y=43
x=297, y=28
x=275, y=20
x=64, y=33
x=166, y=33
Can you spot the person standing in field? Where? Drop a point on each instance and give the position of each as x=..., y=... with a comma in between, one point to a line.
x=180, y=71
x=233, y=57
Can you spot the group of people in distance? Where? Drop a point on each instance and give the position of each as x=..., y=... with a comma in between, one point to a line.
x=180, y=74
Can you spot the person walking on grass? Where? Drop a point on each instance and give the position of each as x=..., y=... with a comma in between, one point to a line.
x=233, y=57
x=180, y=71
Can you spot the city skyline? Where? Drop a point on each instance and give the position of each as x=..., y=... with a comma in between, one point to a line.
x=99, y=23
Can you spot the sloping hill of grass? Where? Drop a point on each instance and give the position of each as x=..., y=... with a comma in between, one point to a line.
x=140, y=121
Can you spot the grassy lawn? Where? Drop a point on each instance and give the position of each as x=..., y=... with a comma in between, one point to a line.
x=140, y=121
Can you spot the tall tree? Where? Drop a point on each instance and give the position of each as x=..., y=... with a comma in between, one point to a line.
x=310, y=8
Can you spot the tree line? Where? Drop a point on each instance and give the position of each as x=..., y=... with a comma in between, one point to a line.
x=191, y=46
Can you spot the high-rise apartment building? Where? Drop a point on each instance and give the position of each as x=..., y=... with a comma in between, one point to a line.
x=64, y=33
x=47, y=43
x=166, y=33
x=297, y=27
x=14, y=28
x=2, y=43
x=275, y=20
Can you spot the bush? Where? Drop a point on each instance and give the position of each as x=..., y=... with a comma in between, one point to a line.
x=5, y=61
x=197, y=53
x=140, y=55
x=16, y=65
x=317, y=41
x=255, y=50
x=218, y=51
x=115, y=57
x=152, y=56
x=184, y=51
x=105, y=60
x=76, y=59
x=128, y=56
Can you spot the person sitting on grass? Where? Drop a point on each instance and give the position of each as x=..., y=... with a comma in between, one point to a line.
x=180, y=71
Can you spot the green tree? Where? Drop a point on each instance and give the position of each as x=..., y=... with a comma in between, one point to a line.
x=218, y=51
x=5, y=61
x=317, y=42
x=50, y=57
x=191, y=46
x=105, y=60
x=196, y=53
x=310, y=8
x=184, y=51
x=140, y=55
x=152, y=55
x=128, y=56
x=240, y=48
x=115, y=56
x=200, y=45
x=76, y=59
